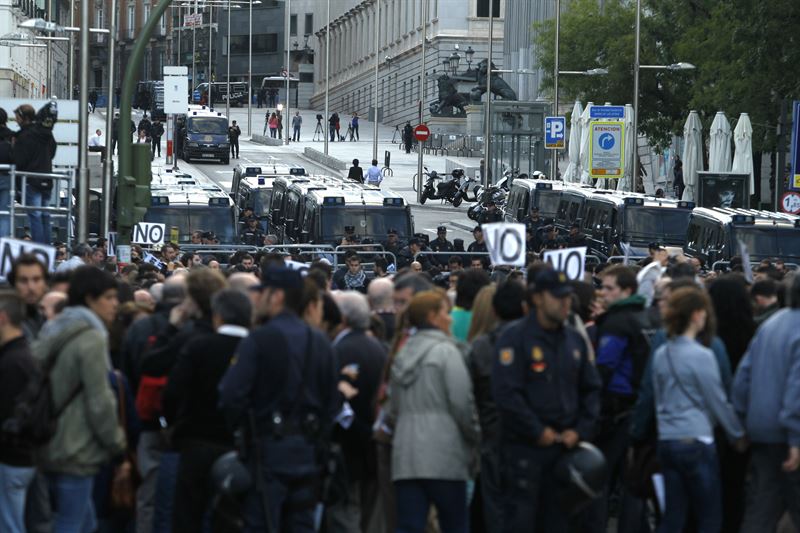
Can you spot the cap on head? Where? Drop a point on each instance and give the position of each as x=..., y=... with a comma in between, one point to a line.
x=414, y=240
x=556, y=283
x=280, y=278
x=441, y=229
x=349, y=229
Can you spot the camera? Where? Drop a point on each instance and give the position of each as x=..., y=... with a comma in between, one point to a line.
x=319, y=117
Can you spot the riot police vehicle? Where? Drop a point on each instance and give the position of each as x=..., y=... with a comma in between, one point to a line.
x=269, y=170
x=714, y=235
x=572, y=206
x=527, y=193
x=185, y=203
x=610, y=218
x=202, y=134
x=219, y=93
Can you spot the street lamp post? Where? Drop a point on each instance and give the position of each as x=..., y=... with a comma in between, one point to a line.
x=377, y=63
x=487, y=143
x=210, y=47
x=83, y=131
x=553, y=155
x=327, y=70
x=420, y=165
x=107, y=166
x=287, y=114
x=250, y=74
x=228, y=76
x=635, y=129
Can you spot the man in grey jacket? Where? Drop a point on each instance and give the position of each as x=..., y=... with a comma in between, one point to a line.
x=766, y=394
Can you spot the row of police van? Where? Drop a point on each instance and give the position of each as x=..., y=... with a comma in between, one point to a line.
x=611, y=220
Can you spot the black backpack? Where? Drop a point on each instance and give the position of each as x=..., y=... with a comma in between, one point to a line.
x=35, y=418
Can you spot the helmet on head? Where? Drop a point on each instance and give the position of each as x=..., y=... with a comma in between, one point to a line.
x=229, y=475
x=582, y=473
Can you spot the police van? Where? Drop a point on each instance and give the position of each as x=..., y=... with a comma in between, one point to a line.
x=544, y=194
x=571, y=206
x=268, y=171
x=202, y=134
x=714, y=234
x=185, y=203
x=611, y=217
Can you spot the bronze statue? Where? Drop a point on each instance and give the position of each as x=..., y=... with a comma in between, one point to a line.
x=499, y=86
x=451, y=102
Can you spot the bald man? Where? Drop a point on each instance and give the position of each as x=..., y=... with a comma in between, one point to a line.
x=52, y=303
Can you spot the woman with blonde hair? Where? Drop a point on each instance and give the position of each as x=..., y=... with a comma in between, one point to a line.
x=436, y=431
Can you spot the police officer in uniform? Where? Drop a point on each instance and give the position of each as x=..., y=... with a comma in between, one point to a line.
x=252, y=235
x=284, y=378
x=533, y=220
x=441, y=244
x=490, y=214
x=547, y=392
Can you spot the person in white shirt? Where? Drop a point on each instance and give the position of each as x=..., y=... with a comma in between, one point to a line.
x=97, y=140
x=374, y=176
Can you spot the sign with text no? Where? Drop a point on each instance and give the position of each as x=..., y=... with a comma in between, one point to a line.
x=570, y=261
x=11, y=249
x=148, y=233
x=506, y=243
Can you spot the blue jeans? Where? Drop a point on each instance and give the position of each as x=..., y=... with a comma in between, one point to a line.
x=73, y=508
x=415, y=496
x=165, y=492
x=39, y=221
x=14, y=481
x=691, y=480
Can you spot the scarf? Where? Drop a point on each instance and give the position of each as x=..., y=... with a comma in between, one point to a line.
x=355, y=281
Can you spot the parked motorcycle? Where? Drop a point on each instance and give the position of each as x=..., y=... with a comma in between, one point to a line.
x=494, y=193
x=453, y=187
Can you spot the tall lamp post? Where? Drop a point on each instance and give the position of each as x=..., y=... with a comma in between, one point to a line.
x=420, y=166
x=287, y=114
x=377, y=64
x=327, y=70
x=487, y=143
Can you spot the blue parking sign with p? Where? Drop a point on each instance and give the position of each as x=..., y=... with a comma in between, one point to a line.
x=555, y=132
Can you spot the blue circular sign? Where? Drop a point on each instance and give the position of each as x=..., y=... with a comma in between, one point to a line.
x=606, y=141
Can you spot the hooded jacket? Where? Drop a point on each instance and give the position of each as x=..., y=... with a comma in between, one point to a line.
x=436, y=428
x=33, y=151
x=88, y=433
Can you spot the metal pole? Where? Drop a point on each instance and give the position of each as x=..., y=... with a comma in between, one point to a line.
x=327, y=71
x=83, y=132
x=377, y=63
x=52, y=16
x=210, y=47
x=108, y=167
x=420, y=164
x=228, y=75
x=635, y=130
x=194, y=38
x=487, y=143
x=49, y=61
x=554, y=153
x=179, y=55
x=71, y=50
x=287, y=107
x=250, y=76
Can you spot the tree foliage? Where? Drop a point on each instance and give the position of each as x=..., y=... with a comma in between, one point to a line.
x=747, y=54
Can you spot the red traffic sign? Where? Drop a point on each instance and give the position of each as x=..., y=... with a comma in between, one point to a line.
x=422, y=132
x=790, y=202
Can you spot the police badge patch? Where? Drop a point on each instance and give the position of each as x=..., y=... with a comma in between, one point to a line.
x=506, y=356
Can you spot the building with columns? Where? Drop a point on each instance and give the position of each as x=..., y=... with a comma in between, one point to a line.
x=519, y=45
x=452, y=26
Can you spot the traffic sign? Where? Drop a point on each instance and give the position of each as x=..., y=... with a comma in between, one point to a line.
x=555, y=132
x=606, y=150
x=790, y=202
x=422, y=132
x=607, y=111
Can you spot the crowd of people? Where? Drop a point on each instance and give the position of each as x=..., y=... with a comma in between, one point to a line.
x=205, y=393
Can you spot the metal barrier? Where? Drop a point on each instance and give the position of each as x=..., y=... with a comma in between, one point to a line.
x=614, y=259
x=724, y=266
x=58, y=191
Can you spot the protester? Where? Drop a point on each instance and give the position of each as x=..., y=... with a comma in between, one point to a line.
x=28, y=277
x=469, y=283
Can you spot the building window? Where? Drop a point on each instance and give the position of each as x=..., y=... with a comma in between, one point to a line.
x=292, y=25
x=483, y=8
x=309, y=25
x=263, y=43
x=162, y=25
x=131, y=21
x=147, y=8
x=99, y=21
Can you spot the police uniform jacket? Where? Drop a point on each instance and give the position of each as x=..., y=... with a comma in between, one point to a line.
x=253, y=237
x=283, y=366
x=544, y=378
x=488, y=217
x=437, y=245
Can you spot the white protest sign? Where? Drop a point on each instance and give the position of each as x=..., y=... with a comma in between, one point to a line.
x=570, y=261
x=111, y=244
x=506, y=243
x=297, y=265
x=11, y=249
x=153, y=260
x=148, y=233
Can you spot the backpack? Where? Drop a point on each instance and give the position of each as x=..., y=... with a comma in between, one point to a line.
x=34, y=420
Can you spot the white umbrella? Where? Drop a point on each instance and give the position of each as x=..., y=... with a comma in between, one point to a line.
x=584, y=158
x=719, y=148
x=573, y=172
x=743, y=140
x=692, y=155
x=627, y=183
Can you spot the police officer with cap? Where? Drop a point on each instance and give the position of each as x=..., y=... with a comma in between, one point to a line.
x=547, y=392
x=252, y=235
x=491, y=213
x=441, y=244
x=283, y=379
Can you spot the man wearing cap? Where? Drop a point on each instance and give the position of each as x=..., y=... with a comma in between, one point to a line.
x=441, y=244
x=412, y=253
x=252, y=234
x=533, y=220
x=490, y=214
x=478, y=245
x=550, y=241
x=546, y=389
x=283, y=378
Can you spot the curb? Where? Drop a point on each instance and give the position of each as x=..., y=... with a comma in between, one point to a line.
x=269, y=141
x=326, y=160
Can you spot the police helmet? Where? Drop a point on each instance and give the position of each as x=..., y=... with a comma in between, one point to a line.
x=229, y=475
x=582, y=473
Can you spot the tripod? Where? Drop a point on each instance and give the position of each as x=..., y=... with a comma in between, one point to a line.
x=396, y=134
x=319, y=132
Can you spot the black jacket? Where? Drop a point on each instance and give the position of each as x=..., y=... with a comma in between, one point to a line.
x=488, y=217
x=481, y=359
x=34, y=150
x=234, y=132
x=17, y=368
x=190, y=398
x=362, y=352
x=141, y=335
x=158, y=130
x=356, y=174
